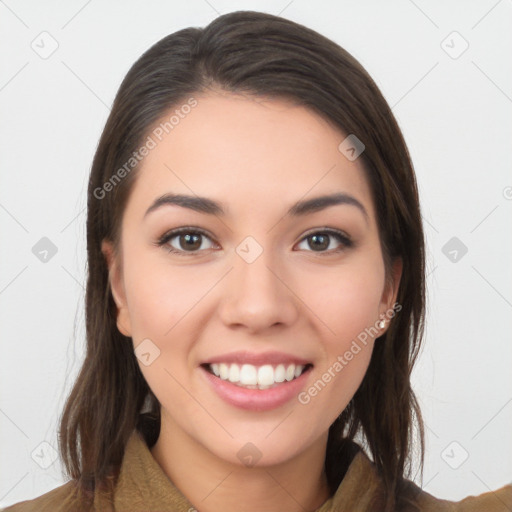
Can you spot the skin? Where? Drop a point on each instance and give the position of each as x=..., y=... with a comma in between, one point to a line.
x=256, y=158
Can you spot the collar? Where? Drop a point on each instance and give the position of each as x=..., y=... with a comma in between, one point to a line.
x=143, y=485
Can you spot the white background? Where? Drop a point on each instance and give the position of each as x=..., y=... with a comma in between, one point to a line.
x=456, y=115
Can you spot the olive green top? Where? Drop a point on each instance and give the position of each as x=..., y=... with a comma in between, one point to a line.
x=143, y=486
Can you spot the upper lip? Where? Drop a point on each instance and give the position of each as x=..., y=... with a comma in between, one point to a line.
x=244, y=357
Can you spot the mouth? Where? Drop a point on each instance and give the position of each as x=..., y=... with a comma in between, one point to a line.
x=256, y=381
x=249, y=376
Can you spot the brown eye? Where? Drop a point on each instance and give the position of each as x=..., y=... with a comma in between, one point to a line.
x=186, y=241
x=318, y=242
x=325, y=241
x=189, y=242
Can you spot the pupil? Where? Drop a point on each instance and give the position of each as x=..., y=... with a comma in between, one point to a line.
x=190, y=241
x=319, y=242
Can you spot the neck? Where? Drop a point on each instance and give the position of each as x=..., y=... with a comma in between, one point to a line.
x=212, y=484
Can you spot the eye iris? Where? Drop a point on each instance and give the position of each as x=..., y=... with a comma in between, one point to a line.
x=319, y=242
x=190, y=242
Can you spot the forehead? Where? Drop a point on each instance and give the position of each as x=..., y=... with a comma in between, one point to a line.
x=237, y=148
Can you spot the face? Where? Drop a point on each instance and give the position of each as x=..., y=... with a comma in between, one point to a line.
x=251, y=277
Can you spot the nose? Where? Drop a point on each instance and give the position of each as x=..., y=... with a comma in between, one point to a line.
x=258, y=296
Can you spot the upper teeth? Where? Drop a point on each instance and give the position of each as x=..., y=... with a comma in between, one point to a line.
x=260, y=376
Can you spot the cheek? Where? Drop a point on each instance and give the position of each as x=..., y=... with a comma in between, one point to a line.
x=346, y=303
x=336, y=383
x=350, y=311
x=346, y=300
x=162, y=302
x=160, y=296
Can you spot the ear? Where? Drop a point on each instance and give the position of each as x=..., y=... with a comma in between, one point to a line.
x=116, y=282
x=390, y=294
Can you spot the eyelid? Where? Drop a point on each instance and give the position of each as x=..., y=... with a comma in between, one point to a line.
x=325, y=229
x=184, y=229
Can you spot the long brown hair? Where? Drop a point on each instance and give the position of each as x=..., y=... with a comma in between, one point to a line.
x=267, y=56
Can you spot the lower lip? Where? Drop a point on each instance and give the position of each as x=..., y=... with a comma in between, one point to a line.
x=256, y=399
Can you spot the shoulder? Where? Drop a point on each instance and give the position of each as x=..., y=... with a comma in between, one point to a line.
x=50, y=501
x=61, y=499
x=415, y=499
x=363, y=489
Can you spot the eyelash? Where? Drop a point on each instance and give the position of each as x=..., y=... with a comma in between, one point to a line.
x=341, y=237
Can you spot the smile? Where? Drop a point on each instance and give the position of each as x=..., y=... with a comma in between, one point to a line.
x=256, y=387
x=256, y=377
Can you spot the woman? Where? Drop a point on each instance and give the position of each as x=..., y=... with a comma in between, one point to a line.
x=255, y=297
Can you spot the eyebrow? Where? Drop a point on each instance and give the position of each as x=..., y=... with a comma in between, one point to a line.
x=208, y=206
